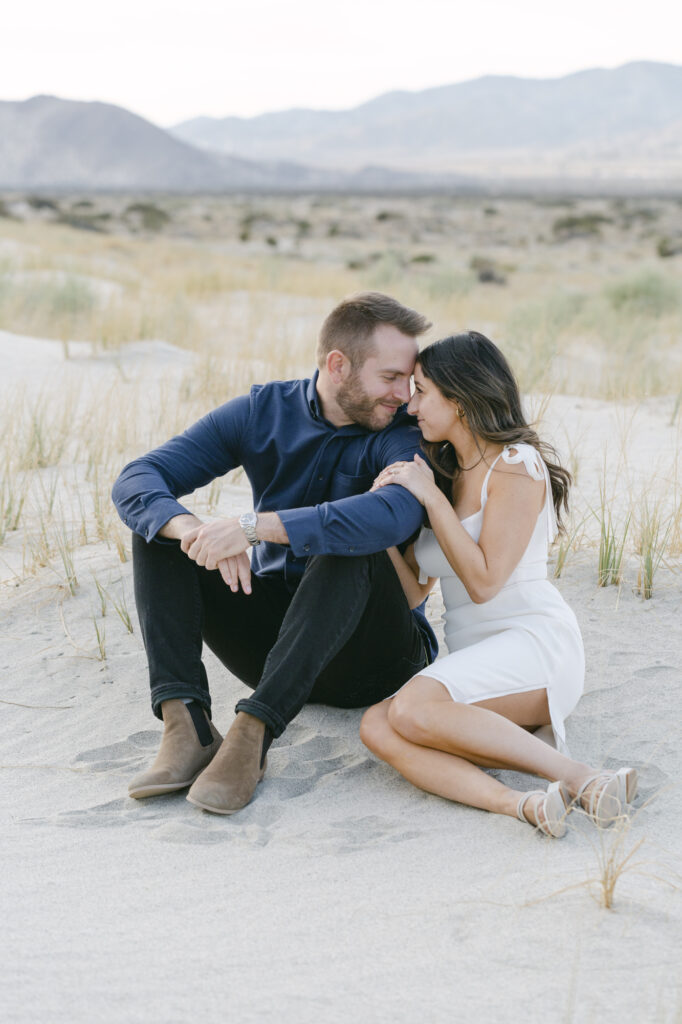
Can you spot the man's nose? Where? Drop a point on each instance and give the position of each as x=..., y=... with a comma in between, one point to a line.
x=402, y=391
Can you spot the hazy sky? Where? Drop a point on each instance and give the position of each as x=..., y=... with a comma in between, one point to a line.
x=170, y=60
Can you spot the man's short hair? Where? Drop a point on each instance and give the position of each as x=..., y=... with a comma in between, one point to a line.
x=349, y=327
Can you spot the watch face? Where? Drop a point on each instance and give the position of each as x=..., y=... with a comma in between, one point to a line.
x=248, y=522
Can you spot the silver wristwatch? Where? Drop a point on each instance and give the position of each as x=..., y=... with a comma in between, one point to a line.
x=248, y=522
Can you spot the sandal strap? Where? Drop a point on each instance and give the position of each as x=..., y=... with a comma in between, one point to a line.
x=520, y=810
x=594, y=795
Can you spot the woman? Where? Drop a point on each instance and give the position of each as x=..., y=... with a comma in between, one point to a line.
x=516, y=659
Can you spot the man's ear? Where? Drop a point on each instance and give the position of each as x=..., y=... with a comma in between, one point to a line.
x=338, y=366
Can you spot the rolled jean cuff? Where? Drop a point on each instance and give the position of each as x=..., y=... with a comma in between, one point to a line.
x=179, y=691
x=275, y=723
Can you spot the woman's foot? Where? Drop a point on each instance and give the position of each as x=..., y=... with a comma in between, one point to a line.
x=606, y=794
x=546, y=811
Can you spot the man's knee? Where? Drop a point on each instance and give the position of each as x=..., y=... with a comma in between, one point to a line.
x=340, y=567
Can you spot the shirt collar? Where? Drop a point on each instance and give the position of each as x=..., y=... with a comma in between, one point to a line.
x=311, y=395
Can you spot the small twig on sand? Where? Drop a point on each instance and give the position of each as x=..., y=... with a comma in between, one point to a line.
x=38, y=707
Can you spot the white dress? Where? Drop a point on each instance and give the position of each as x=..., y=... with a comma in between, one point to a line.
x=524, y=638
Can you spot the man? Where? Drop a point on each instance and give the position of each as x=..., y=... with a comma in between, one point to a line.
x=318, y=614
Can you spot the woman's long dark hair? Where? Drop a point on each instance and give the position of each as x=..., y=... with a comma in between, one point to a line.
x=470, y=370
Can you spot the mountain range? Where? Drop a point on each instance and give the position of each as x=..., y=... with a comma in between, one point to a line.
x=588, y=129
x=436, y=128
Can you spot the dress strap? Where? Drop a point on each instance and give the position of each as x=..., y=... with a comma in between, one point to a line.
x=484, y=488
x=536, y=468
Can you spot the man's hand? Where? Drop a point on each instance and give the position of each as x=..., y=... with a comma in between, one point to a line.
x=222, y=544
x=214, y=542
x=235, y=571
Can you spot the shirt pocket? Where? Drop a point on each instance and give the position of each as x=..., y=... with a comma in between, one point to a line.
x=344, y=485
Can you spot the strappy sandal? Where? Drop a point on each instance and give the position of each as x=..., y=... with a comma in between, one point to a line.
x=604, y=803
x=550, y=812
x=627, y=785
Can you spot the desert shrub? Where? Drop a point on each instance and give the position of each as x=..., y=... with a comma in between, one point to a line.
x=40, y=203
x=271, y=241
x=643, y=214
x=70, y=298
x=486, y=270
x=84, y=221
x=384, y=215
x=387, y=271
x=646, y=294
x=444, y=284
x=582, y=225
x=152, y=218
x=423, y=257
x=669, y=247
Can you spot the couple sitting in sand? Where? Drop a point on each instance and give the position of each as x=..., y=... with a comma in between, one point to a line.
x=350, y=530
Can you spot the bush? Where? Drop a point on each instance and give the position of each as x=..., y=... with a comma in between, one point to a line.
x=646, y=294
x=584, y=225
x=84, y=221
x=151, y=217
x=39, y=203
x=487, y=272
x=669, y=247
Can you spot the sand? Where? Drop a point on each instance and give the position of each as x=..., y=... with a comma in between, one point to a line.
x=341, y=893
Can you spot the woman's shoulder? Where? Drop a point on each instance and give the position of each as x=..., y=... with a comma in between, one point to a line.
x=521, y=453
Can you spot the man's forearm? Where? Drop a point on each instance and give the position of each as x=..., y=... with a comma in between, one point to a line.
x=270, y=528
x=177, y=527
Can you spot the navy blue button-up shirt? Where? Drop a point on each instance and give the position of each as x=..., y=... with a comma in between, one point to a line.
x=314, y=475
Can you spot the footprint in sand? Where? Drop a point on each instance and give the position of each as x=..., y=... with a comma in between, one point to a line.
x=302, y=765
x=126, y=754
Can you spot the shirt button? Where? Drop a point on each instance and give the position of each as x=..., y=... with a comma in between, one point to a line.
x=306, y=547
x=320, y=477
x=351, y=549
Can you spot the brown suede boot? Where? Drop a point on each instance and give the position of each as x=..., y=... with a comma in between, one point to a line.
x=230, y=780
x=185, y=751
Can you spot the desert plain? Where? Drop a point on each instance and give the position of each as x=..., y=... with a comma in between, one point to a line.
x=341, y=892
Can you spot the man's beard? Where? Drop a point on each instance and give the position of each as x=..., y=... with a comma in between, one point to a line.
x=354, y=401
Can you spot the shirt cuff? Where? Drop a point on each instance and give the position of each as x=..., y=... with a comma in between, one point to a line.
x=305, y=532
x=154, y=519
x=307, y=536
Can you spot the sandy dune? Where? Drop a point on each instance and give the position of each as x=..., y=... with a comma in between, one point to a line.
x=341, y=893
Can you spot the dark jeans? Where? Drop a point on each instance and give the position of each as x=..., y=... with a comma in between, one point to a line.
x=345, y=637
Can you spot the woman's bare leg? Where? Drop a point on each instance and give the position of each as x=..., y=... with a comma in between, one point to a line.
x=492, y=733
x=445, y=774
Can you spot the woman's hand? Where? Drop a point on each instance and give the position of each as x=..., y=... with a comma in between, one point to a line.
x=416, y=477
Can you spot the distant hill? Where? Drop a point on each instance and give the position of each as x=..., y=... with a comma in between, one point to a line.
x=620, y=129
x=52, y=143
x=63, y=143
x=603, y=117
